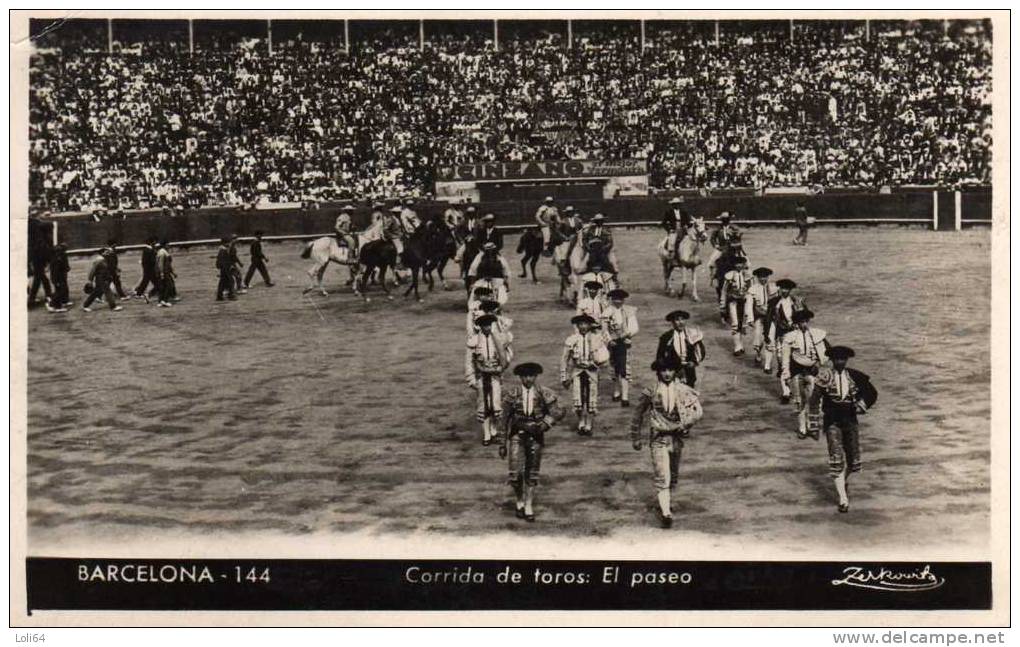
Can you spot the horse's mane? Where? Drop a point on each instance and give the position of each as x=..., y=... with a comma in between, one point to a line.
x=374, y=229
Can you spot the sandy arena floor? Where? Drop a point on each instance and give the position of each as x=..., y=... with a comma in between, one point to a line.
x=308, y=415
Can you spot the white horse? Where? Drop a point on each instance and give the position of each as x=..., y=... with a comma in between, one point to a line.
x=327, y=249
x=687, y=258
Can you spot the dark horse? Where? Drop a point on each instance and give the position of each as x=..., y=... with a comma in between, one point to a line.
x=441, y=246
x=421, y=256
x=531, y=246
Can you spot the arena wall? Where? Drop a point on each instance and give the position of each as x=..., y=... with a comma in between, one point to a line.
x=919, y=207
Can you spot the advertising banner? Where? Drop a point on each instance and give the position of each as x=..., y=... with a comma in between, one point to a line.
x=509, y=171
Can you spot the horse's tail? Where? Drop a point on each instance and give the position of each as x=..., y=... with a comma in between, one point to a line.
x=306, y=252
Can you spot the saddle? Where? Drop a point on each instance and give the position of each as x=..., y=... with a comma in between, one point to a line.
x=347, y=247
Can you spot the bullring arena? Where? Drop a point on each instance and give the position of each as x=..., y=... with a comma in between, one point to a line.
x=303, y=415
x=309, y=414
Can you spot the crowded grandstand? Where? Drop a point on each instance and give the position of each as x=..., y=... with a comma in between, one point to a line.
x=128, y=114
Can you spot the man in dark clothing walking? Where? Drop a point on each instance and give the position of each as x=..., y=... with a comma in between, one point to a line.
x=112, y=260
x=800, y=215
x=99, y=279
x=257, y=262
x=165, y=275
x=235, y=265
x=59, y=268
x=148, y=269
x=39, y=255
x=225, y=265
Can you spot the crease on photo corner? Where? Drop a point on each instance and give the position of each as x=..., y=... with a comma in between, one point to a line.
x=52, y=28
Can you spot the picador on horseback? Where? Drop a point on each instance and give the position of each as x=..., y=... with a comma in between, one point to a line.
x=597, y=242
x=342, y=230
x=722, y=239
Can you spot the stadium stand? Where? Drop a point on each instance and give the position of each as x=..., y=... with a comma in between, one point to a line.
x=128, y=116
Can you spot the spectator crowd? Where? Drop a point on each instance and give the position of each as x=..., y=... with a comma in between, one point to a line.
x=154, y=125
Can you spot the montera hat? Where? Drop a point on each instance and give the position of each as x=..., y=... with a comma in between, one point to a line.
x=803, y=315
x=786, y=284
x=665, y=364
x=841, y=352
x=763, y=271
x=528, y=368
x=592, y=285
x=485, y=320
x=581, y=318
x=618, y=293
x=678, y=314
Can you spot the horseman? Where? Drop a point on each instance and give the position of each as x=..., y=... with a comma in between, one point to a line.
x=596, y=230
x=378, y=212
x=569, y=229
x=466, y=234
x=452, y=217
x=342, y=229
x=469, y=226
x=547, y=217
x=491, y=267
x=597, y=242
x=393, y=231
x=489, y=234
x=409, y=219
x=675, y=222
x=570, y=223
x=721, y=240
x=685, y=256
x=676, y=219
